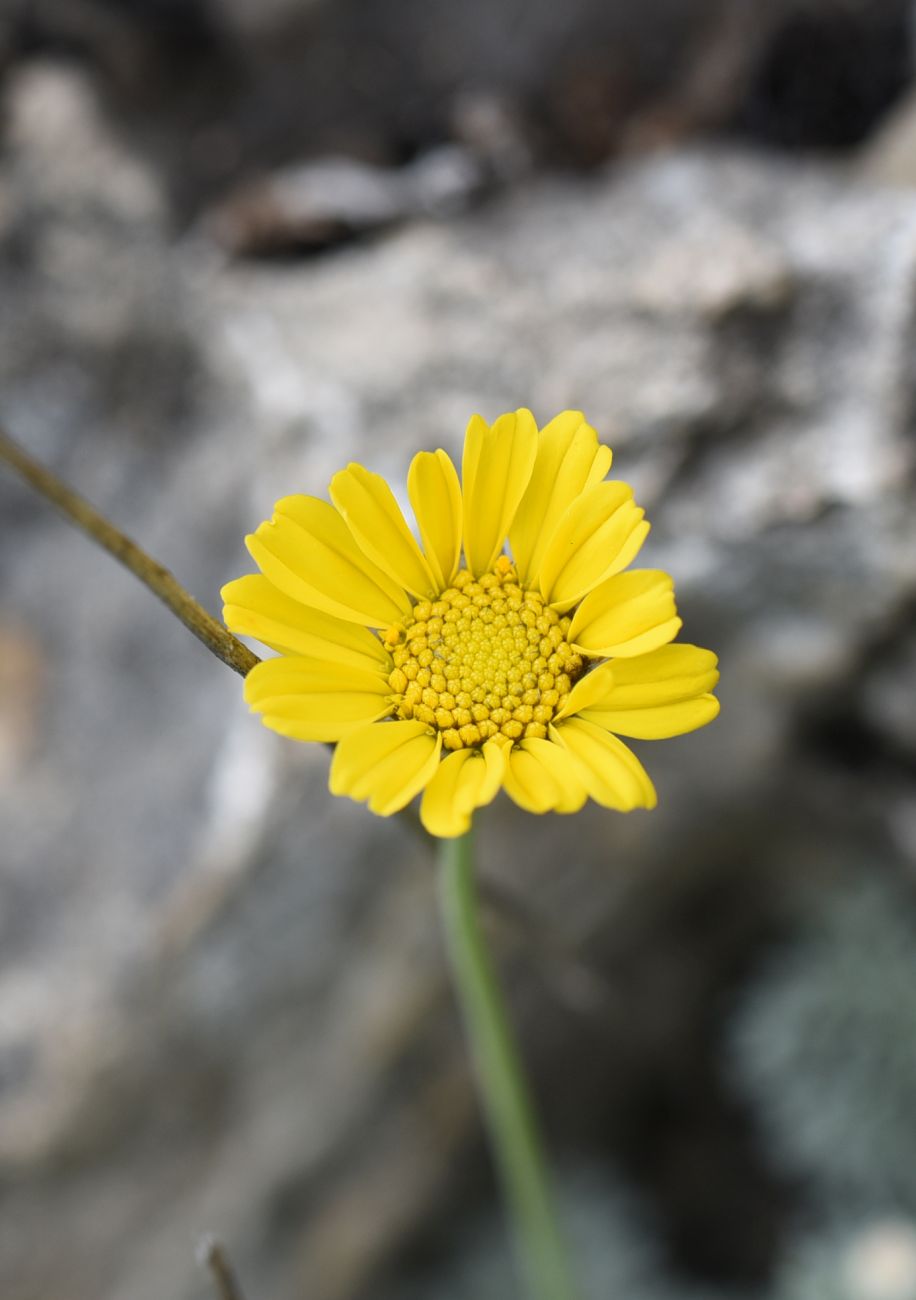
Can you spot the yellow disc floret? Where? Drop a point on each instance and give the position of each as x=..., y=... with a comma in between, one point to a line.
x=486, y=658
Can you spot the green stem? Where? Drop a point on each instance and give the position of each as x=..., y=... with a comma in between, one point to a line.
x=501, y=1080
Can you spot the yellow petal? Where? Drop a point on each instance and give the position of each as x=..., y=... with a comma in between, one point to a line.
x=495, y=753
x=660, y=723
x=661, y=694
x=495, y=470
x=255, y=607
x=593, y=687
x=386, y=763
x=374, y=518
x=612, y=774
x=569, y=460
x=435, y=494
x=629, y=614
x=313, y=699
x=439, y=809
x=671, y=673
x=597, y=536
x=310, y=554
x=465, y=780
x=541, y=777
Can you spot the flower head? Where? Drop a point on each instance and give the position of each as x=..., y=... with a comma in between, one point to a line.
x=450, y=667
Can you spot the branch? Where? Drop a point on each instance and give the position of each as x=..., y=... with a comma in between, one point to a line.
x=216, y=638
x=212, y=1256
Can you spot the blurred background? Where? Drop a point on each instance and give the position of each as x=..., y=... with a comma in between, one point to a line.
x=245, y=241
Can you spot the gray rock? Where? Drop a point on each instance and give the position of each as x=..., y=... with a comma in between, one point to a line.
x=240, y=87
x=319, y=203
x=888, y=697
x=889, y=158
x=869, y=1261
x=612, y=1242
x=823, y=1044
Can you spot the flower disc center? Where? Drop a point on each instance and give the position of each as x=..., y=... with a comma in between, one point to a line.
x=487, y=657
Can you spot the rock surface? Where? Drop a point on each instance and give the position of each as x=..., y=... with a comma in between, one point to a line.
x=216, y=92
x=222, y=1002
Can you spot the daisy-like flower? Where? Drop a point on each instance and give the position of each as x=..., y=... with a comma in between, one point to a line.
x=450, y=667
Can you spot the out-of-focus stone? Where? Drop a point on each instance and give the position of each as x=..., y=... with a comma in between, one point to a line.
x=889, y=694
x=67, y=151
x=746, y=273
x=240, y=87
x=23, y=684
x=321, y=203
x=881, y=1264
x=874, y=1260
x=889, y=158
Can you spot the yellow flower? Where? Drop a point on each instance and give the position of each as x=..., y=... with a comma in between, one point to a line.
x=451, y=668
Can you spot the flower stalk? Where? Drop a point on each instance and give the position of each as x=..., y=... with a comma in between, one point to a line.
x=501, y=1081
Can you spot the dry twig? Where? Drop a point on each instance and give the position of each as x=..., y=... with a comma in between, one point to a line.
x=212, y=1256
x=204, y=626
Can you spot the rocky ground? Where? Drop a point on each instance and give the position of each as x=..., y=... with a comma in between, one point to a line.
x=222, y=996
